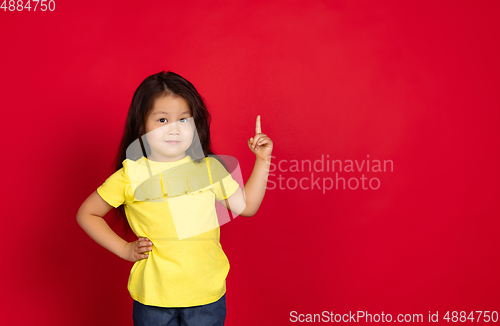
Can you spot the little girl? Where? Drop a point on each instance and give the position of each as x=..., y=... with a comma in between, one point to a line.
x=175, y=280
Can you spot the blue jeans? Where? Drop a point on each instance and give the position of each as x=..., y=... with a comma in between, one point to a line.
x=212, y=314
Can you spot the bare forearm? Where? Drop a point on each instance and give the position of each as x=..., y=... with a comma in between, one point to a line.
x=97, y=228
x=255, y=188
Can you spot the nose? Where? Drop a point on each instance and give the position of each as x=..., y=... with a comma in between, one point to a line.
x=173, y=128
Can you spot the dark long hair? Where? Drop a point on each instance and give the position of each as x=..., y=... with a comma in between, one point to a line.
x=152, y=88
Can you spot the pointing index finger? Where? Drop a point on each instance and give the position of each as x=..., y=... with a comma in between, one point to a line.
x=257, y=125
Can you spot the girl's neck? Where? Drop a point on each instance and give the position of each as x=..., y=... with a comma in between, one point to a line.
x=166, y=159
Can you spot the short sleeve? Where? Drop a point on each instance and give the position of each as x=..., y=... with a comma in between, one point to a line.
x=113, y=189
x=227, y=186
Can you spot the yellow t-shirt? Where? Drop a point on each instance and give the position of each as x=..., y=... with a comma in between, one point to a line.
x=185, y=268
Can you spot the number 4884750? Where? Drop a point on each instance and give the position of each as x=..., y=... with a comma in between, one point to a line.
x=19, y=5
x=461, y=316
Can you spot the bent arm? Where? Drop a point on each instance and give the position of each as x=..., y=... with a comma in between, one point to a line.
x=247, y=204
x=90, y=218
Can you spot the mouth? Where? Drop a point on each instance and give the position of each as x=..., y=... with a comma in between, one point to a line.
x=173, y=142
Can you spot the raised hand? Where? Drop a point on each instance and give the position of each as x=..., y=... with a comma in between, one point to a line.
x=260, y=144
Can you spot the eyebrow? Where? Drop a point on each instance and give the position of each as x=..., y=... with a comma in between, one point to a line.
x=163, y=112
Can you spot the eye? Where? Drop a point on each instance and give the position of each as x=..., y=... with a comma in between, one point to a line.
x=162, y=119
x=185, y=120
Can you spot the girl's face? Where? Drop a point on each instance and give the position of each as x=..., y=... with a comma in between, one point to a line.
x=169, y=129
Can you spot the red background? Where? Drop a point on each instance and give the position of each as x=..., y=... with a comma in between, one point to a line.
x=416, y=83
